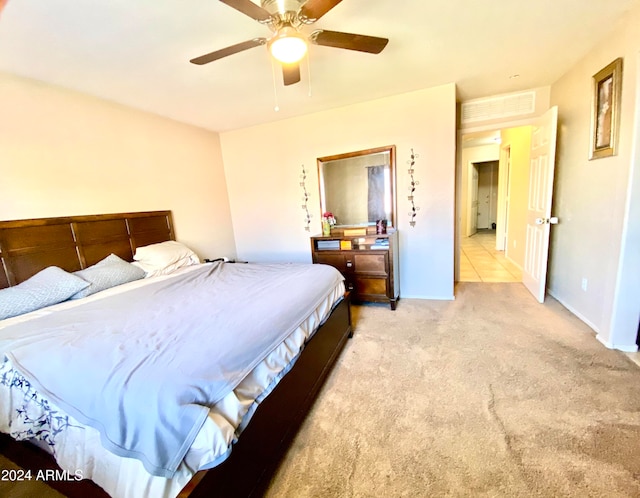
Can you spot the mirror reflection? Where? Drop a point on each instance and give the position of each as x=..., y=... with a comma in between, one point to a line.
x=358, y=188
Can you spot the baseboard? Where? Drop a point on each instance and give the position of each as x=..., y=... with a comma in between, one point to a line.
x=513, y=262
x=430, y=298
x=627, y=348
x=631, y=348
x=574, y=311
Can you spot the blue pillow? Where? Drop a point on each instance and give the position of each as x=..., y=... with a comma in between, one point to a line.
x=47, y=287
x=109, y=272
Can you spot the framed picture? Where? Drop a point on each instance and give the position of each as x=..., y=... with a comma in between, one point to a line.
x=605, y=110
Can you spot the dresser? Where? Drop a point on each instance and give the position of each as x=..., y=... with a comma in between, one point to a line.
x=368, y=262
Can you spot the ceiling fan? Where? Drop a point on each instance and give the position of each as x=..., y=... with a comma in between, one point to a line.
x=288, y=43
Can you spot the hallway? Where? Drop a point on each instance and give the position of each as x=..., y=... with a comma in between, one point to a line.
x=481, y=262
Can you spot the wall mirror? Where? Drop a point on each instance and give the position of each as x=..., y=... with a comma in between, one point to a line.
x=359, y=188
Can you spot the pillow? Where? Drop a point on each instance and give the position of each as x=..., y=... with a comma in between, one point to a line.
x=109, y=272
x=47, y=287
x=164, y=257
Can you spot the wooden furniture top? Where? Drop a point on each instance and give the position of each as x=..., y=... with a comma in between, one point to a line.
x=76, y=242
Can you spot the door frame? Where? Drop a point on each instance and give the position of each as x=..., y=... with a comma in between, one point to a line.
x=458, y=188
x=472, y=215
x=478, y=166
x=504, y=187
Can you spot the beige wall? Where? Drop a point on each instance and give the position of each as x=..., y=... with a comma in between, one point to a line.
x=263, y=166
x=64, y=153
x=518, y=140
x=591, y=197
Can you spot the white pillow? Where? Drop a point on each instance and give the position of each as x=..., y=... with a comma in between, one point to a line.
x=164, y=257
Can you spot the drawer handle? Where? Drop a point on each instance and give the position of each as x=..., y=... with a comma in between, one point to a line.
x=349, y=264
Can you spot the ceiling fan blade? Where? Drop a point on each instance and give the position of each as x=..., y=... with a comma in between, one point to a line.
x=350, y=41
x=248, y=8
x=315, y=9
x=291, y=73
x=233, y=49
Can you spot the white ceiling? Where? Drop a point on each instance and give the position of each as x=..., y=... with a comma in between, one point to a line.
x=137, y=52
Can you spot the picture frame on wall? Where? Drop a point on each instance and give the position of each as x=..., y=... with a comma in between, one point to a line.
x=605, y=110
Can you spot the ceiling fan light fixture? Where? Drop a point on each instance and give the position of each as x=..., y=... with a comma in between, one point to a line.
x=288, y=46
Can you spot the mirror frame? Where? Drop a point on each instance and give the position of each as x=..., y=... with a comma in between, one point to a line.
x=391, y=149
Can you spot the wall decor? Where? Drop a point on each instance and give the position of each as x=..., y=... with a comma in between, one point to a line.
x=412, y=188
x=305, y=200
x=605, y=110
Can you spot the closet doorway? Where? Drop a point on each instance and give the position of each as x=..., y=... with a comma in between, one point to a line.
x=485, y=185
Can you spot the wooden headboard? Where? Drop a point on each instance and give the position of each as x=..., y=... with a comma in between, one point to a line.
x=75, y=242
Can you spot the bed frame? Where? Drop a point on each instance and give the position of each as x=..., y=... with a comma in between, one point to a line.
x=73, y=243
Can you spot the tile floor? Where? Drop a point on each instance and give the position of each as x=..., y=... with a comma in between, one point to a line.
x=481, y=262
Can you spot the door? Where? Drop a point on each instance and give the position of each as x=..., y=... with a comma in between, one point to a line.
x=484, y=195
x=493, y=201
x=502, y=232
x=488, y=174
x=473, y=212
x=539, y=220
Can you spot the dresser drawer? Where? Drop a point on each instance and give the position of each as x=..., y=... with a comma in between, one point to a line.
x=371, y=286
x=371, y=263
x=335, y=260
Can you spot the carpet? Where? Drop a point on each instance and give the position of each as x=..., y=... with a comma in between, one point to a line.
x=492, y=394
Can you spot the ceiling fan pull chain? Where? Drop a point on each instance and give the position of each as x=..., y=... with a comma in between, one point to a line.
x=309, y=73
x=275, y=91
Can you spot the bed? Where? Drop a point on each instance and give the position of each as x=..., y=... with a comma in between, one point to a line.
x=247, y=423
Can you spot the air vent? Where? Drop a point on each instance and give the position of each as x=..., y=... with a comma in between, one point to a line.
x=514, y=104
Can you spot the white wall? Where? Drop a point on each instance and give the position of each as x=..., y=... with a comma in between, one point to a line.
x=63, y=153
x=591, y=197
x=263, y=166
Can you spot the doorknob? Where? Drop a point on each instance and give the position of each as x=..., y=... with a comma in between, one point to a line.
x=543, y=221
